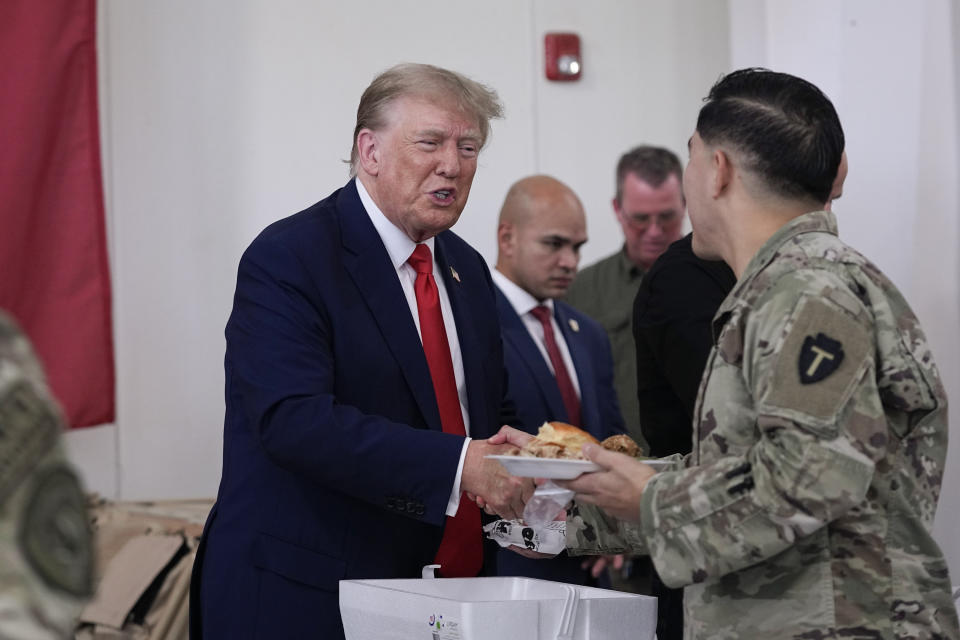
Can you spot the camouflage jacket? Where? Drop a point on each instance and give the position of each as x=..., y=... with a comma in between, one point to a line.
x=820, y=434
x=46, y=559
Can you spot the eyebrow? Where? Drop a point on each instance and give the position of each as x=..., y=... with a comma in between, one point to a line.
x=662, y=212
x=436, y=133
x=553, y=237
x=473, y=136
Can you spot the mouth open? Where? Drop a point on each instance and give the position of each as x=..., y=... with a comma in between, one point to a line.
x=443, y=196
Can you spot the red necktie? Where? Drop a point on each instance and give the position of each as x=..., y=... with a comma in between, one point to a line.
x=461, y=549
x=567, y=392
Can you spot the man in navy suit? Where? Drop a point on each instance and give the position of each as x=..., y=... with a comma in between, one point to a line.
x=341, y=457
x=559, y=361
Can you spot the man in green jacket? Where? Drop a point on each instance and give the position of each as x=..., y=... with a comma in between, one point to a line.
x=649, y=207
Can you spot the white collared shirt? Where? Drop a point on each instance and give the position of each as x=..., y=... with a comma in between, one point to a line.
x=523, y=303
x=399, y=247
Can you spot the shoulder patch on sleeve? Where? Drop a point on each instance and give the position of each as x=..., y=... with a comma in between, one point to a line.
x=820, y=356
x=54, y=534
x=820, y=360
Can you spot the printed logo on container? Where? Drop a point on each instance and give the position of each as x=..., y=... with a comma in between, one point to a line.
x=441, y=629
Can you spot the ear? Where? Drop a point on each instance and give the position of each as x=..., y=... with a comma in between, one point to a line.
x=505, y=236
x=368, y=150
x=616, y=206
x=723, y=171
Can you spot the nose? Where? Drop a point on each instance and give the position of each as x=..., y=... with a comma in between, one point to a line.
x=654, y=229
x=448, y=161
x=569, y=259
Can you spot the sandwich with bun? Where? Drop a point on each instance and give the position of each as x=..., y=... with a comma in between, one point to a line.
x=560, y=440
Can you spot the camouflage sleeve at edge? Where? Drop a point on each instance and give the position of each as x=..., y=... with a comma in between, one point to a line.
x=591, y=531
x=46, y=547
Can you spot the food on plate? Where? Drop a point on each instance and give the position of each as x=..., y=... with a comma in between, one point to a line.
x=623, y=443
x=557, y=440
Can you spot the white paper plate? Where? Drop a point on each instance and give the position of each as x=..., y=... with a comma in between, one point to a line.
x=558, y=469
x=545, y=467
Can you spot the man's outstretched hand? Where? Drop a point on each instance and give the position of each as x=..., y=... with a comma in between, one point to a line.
x=616, y=488
x=487, y=481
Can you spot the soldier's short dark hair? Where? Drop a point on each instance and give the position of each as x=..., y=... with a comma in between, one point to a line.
x=653, y=165
x=784, y=128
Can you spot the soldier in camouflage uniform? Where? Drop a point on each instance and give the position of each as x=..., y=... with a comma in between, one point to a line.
x=806, y=506
x=46, y=560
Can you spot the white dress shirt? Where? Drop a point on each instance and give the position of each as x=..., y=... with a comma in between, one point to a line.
x=523, y=303
x=399, y=247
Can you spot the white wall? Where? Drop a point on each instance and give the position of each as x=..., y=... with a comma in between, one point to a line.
x=222, y=116
x=891, y=69
x=649, y=65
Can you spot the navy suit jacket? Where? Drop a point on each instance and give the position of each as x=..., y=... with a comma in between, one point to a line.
x=335, y=465
x=535, y=395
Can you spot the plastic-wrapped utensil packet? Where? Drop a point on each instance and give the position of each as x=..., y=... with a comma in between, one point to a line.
x=546, y=504
x=539, y=530
x=550, y=538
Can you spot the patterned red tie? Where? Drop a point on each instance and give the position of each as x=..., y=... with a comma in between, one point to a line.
x=567, y=392
x=461, y=550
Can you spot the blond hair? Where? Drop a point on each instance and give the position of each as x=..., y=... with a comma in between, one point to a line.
x=423, y=80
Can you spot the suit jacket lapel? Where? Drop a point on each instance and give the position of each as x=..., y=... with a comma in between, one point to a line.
x=515, y=332
x=369, y=265
x=474, y=375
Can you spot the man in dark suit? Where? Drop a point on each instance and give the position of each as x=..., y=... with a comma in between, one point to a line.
x=363, y=345
x=559, y=361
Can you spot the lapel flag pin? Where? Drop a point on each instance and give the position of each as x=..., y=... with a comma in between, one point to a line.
x=574, y=324
x=456, y=276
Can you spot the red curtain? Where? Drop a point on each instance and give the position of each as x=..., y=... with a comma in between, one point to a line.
x=54, y=276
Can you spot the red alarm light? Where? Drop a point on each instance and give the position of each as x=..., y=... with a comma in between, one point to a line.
x=562, y=56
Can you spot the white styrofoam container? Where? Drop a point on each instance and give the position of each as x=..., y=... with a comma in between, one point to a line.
x=490, y=609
